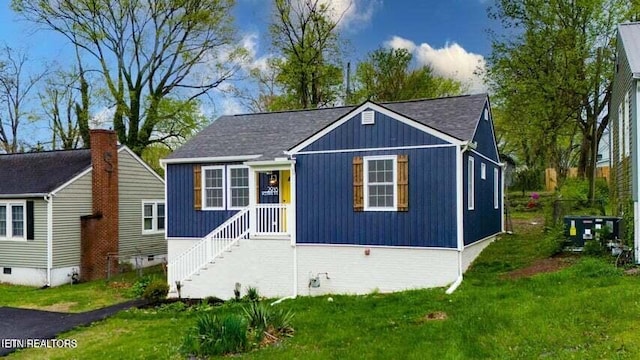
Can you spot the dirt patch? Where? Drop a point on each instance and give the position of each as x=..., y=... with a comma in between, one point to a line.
x=64, y=307
x=437, y=315
x=548, y=265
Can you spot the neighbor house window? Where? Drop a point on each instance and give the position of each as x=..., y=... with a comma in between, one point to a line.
x=213, y=189
x=238, y=191
x=627, y=126
x=496, y=189
x=153, y=220
x=470, y=184
x=380, y=187
x=13, y=220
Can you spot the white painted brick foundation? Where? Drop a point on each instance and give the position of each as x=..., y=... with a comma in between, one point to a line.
x=385, y=269
x=268, y=265
x=38, y=277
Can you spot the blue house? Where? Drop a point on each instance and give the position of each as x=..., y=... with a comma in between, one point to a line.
x=354, y=199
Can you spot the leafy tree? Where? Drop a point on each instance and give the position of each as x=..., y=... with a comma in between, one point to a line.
x=552, y=74
x=309, y=71
x=145, y=52
x=15, y=88
x=386, y=76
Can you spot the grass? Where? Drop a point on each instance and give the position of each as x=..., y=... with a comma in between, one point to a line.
x=588, y=310
x=74, y=298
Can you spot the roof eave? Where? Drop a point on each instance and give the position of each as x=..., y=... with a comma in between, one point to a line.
x=193, y=160
x=22, y=196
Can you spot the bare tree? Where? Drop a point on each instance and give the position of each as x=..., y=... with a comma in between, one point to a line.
x=15, y=88
x=145, y=51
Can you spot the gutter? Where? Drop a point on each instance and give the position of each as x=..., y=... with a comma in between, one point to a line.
x=49, y=199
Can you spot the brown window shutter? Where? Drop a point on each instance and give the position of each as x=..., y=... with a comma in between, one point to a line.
x=403, y=183
x=358, y=195
x=197, y=187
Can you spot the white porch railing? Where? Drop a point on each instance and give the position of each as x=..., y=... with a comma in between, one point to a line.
x=271, y=219
x=210, y=247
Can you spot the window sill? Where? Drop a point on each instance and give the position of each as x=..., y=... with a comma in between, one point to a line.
x=13, y=239
x=153, y=232
x=380, y=209
x=212, y=209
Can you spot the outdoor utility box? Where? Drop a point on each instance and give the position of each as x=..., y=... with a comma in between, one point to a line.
x=581, y=228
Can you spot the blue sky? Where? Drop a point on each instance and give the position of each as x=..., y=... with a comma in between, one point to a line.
x=449, y=35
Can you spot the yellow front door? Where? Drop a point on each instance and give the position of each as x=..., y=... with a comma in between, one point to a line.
x=285, y=193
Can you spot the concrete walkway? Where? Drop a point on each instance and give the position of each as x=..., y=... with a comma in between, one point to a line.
x=26, y=324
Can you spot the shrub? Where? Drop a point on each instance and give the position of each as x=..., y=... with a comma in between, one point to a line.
x=216, y=336
x=281, y=322
x=140, y=286
x=593, y=248
x=265, y=319
x=595, y=268
x=259, y=316
x=253, y=294
x=156, y=291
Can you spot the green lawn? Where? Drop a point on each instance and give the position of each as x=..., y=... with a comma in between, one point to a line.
x=74, y=298
x=587, y=311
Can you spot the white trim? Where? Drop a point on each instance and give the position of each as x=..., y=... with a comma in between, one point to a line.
x=154, y=217
x=379, y=246
x=271, y=164
x=484, y=157
x=375, y=149
x=486, y=238
x=228, y=188
x=375, y=107
x=471, y=183
x=22, y=196
x=139, y=160
x=366, y=183
x=203, y=187
x=195, y=160
x=292, y=208
x=180, y=238
x=496, y=189
x=9, y=220
x=49, y=200
x=460, y=196
x=166, y=208
x=483, y=171
x=502, y=214
x=71, y=181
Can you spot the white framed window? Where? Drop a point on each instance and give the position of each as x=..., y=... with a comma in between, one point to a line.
x=13, y=220
x=238, y=187
x=153, y=219
x=620, y=132
x=496, y=189
x=380, y=183
x=470, y=184
x=627, y=126
x=483, y=171
x=213, y=181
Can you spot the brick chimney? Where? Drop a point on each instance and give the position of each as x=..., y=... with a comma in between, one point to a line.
x=100, y=230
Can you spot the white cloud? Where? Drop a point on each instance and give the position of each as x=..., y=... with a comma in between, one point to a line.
x=351, y=14
x=451, y=61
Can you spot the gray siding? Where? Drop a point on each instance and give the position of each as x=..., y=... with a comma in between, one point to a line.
x=621, y=174
x=32, y=253
x=137, y=183
x=69, y=205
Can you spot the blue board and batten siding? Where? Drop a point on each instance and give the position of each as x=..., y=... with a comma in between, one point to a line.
x=325, y=188
x=484, y=138
x=385, y=133
x=182, y=218
x=484, y=220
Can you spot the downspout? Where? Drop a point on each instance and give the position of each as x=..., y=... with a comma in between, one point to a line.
x=460, y=149
x=49, y=199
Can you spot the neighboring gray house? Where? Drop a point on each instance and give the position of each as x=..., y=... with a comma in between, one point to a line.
x=78, y=211
x=623, y=117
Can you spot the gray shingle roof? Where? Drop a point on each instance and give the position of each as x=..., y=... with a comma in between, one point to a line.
x=41, y=172
x=630, y=36
x=270, y=134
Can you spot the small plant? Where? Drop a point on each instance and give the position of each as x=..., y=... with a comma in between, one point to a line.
x=216, y=336
x=281, y=322
x=265, y=320
x=140, y=286
x=253, y=294
x=156, y=291
x=259, y=316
